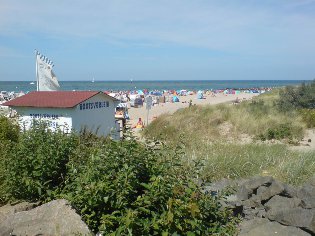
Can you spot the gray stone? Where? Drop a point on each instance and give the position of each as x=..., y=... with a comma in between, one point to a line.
x=244, y=193
x=307, y=195
x=261, y=189
x=274, y=189
x=9, y=210
x=267, y=228
x=251, y=203
x=299, y=217
x=278, y=203
x=257, y=181
x=248, y=225
x=53, y=218
x=251, y=212
x=219, y=186
x=289, y=191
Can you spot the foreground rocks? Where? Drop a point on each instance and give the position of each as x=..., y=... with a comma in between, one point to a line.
x=269, y=207
x=53, y=218
x=266, y=206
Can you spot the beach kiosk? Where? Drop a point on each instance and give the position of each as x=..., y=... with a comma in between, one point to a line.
x=68, y=111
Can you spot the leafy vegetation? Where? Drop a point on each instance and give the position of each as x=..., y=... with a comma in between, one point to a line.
x=300, y=97
x=308, y=116
x=36, y=164
x=119, y=188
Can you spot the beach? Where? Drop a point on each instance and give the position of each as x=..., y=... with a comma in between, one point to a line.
x=171, y=107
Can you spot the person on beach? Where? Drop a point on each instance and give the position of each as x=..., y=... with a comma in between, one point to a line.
x=139, y=124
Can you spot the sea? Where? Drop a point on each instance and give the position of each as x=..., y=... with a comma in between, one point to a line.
x=27, y=86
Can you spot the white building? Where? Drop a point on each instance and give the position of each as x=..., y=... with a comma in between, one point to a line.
x=68, y=110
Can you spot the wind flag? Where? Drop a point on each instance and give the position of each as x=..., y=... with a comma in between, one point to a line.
x=46, y=79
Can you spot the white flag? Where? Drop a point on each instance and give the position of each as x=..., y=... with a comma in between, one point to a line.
x=46, y=79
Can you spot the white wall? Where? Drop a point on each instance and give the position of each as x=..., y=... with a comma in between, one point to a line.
x=60, y=117
x=97, y=114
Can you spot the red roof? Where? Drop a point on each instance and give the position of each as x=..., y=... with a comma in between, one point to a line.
x=56, y=99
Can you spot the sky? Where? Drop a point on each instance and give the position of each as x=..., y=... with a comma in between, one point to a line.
x=159, y=39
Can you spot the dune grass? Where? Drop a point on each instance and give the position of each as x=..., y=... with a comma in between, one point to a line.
x=221, y=160
x=255, y=118
x=213, y=136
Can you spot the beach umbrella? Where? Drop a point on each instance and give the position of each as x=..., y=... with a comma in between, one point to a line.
x=140, y=92
x=200, y=94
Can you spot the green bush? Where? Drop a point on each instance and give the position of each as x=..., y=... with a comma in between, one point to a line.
x=282, y=131
x=8, y=130
x=119, y=188
x=9, y=134
x=128, y=188
x=297, y=97
x=308, y=116
x=36, y=165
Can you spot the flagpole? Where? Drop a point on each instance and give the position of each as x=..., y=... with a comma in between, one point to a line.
x=36, y=72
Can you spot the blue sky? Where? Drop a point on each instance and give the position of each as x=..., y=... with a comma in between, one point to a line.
x=159, y=39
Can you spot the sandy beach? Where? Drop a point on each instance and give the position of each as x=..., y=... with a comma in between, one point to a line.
x=169, y=107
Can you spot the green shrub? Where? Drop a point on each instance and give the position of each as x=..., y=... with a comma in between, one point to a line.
x=128, y=188
x=282, y=131
x=36, y=165
x=308, y=116
x=119, y=188
x=9, y=134
x=297, y=97
x=8, y=130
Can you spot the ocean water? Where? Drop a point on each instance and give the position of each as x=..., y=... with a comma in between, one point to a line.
x=26, y=86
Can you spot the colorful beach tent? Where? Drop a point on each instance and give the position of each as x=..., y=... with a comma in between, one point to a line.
x=140, y=92
x=200, y=94
x=175, y=99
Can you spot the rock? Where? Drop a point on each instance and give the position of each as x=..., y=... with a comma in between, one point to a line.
x=248, y=225
x=258, y=181
x=53, y=218
x=277, y=203
x=274, y=189
x=216, y=187
x=9, y=210
x=289, y=191
x=264, y=227
x=307, y=195
x=299, y=217
x=261, y=189
x=252, y=212
x=244, y=193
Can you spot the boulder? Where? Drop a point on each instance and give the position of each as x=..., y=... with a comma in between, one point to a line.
x=244, y=193
x=9, y=210
x=257, y=181
x=289, y=191
x=247, y=225
x=307, y=195
x=278, y=203
x=274, y=189
x=261, y=189
x=263, y=227
x=299, y=217
x=53, y=218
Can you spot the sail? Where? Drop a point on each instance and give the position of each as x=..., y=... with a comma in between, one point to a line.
x=46, y=79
